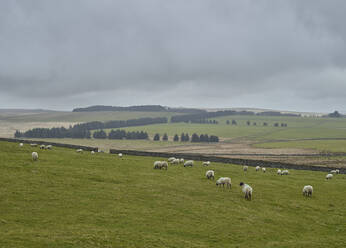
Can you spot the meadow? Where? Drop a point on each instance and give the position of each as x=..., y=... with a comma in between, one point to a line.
x=66, y=199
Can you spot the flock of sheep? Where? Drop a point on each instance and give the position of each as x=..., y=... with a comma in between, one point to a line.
x=210, y=174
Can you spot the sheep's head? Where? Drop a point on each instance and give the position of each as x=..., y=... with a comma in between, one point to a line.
x=241, y=184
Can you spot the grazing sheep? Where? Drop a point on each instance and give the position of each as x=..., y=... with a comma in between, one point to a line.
x=333, y=171
x=224, y=180
x=307, y=190
x=21, y=144
x=33, y=144
x=120, y=155
x=42, y=146
x=34, y=156
x=247, y=190
x=337, y=171
x=279, y=172
x=209, y=174
x=175, y=161
x=188, y=163
x=164, y=165
x=245, y=167
x=284, y=172
x=181, y=160
x=207, y=163
x=92, y=152
x=258, y=168
x=49, y=147
x=329, y=176
x=264, y=170
x=158, y=165
x=170, y=159
x=79, y=150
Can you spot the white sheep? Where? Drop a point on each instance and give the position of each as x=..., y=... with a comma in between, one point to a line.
x=170, y=159
x=224, y=180
x=49, y=147
x=33, y=144
x=34, y=156
x=188, y=163
x=247, y=190
x=337, y=171
x=245, y=167
x=79, y=150
x=181, y=160
x=175, y=161
x=329, y=176
x=279, y=172
x=264, y=170
x=42, y=146
x=206, y=163
x=157, y=165
x=307, y=190
x=284, y=172
x=92, y=152
x=209, y=174
x=258, y=168
x=333, y=171
x=120, y=155
x=21, y=144
x=164, y=165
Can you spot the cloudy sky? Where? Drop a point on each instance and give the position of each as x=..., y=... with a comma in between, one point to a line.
x=288, y=55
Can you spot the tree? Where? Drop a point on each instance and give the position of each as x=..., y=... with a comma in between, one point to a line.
x=248, y=123
x=227, y=122
x=165, y=137
x=254, y=123
x=100, y=134
x=276, y=124
x=194, y=138
x=265, y=124
x=17, y=134
x=157, y=137
x=234, y=122
x=187, y=137
x=335, y=114
x=213, y=138
x=176, y=137
x=182, y=137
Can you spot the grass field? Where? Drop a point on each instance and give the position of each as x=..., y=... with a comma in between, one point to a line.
x=81, y=200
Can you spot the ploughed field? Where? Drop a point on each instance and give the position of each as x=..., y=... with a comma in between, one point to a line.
x=68, y=199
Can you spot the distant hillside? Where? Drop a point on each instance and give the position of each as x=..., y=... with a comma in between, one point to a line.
x=141, y=108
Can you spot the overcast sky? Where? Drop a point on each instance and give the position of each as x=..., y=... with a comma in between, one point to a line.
x=288, y=55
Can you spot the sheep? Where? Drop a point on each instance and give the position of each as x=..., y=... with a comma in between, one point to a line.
x=21, y=144
x=279, y=172
x=34, y=156
x=333, y=171
x=207, y=163
x=245, y=167
x=258, y=168
x=307, y=190
x=247, y=190
x=33, y=144
x=92, y=152
x=181, y=160
x=264, y=170
x=188, y=163
x=164, y=164
x=120, y=155
x=210, y=174
x=224, y=180
x=42, y=146
x=170, y=159
x=175, y=161
x=329, y=176
x=337, y=171
x=157, y=165
x=49, y=147
x=284, y=172
x=79, y=150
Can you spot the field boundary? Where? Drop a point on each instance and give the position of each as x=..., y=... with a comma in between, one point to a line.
x=85, y=148
x=239, y=161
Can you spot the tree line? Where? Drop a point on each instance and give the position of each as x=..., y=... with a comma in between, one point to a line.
x=276, y=124
x=184, y=137
x=120, y=134
x=82, y=131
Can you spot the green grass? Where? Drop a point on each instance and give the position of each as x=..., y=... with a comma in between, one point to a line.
x=60, y=116
x=67, y=199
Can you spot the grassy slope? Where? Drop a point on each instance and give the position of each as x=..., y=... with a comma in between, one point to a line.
x=81, y=200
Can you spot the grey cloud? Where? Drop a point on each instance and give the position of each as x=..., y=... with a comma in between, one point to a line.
x=198, y=53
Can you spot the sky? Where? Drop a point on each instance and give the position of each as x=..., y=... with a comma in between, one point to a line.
x=284, y=55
